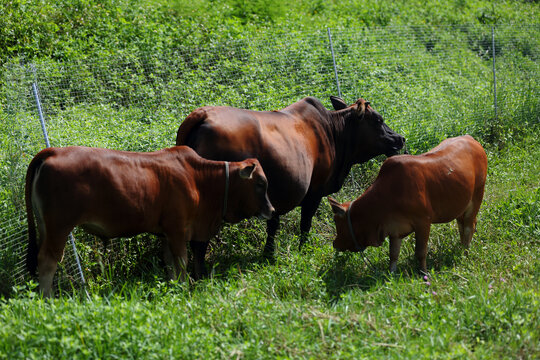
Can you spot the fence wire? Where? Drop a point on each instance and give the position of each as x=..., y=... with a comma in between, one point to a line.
x=428, y=82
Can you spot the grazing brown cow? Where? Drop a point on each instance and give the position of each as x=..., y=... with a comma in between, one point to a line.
x=305, y=150
x=411, y=193
x=173, y=192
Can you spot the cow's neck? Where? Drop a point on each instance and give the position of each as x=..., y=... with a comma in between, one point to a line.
x=213, y=189
x=373, y=212
x=344, y=160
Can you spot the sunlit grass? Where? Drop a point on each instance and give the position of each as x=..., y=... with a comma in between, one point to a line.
x=315, y=303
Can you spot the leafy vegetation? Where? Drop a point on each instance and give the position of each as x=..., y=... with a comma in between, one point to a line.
x=71, y=29
x=123, y=74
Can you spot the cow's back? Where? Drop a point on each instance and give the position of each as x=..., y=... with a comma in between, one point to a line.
x=460, y=163
x=287, y=145
x=221, y=133
x=112, y=190
x=440, y=184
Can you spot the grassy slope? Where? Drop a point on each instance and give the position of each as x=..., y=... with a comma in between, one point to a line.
x=320, y=304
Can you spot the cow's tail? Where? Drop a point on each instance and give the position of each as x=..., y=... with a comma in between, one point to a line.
x=32, y=251
x=189, y=125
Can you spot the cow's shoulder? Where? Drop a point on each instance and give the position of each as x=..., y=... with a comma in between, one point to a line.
x=454, y=143
x=183, y=154
x=316, y=103
x=307, y=104
x=399, y=167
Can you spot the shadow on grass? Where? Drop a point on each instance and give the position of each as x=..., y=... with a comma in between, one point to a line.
x=220, y=266
x=447, y=254
x=222, y=256
x=344, y=274
x=138, y=262
x=347, y=271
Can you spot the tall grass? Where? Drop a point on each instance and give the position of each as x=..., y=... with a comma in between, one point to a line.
x=314, y=304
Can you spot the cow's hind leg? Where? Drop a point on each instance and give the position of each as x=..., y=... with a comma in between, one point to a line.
x=467, y=225
x=309, y=208
x=168, y=258
x=272, y=226
x=395, y=246
x=199, y=252
x=421, y=247
x=175, y=257
x=50, y=254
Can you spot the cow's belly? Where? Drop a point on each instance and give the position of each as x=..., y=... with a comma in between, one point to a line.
x=108, y=231
x=117, y=219
x=398, y=227
x=285, y=162
x=288, y=180
x=453, y=205
x=285, y=195
x=450, y=212
x=103, y=232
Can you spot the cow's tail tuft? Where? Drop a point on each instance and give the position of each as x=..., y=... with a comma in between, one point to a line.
x=32, y=251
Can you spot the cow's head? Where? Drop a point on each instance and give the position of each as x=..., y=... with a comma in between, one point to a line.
x=361, y=233
x=248, y=195
x=371, y=136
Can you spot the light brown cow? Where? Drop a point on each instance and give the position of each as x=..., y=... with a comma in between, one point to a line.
x=411, y=193
x=173, y=192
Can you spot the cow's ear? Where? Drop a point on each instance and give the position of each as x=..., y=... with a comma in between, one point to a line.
x=246, y=172
x=338, y=103
x=337, y=208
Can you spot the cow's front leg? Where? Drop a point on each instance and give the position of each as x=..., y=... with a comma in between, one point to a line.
x=272, y=226
x=309, y=207
x=421, y=247
x=395, y=246
x=168, y=258
x=176, y=257
x=199, y=252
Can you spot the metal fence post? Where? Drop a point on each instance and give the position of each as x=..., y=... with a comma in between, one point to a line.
x=494, y=72
x=38, y=104
x=334, y=61
x=47, y=142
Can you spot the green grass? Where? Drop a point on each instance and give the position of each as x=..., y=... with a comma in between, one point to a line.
x=456, y=316
x=123, y=74
x=316, y=304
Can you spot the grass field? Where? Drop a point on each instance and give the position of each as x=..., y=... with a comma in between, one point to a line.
x=316, y=304
x=123, y=74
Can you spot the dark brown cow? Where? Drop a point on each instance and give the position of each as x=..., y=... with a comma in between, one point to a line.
x=411, y=193
x=305, y=150
x=172, y=192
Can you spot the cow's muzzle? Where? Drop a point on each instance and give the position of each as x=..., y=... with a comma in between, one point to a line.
x=267, y=214
x=399, y=143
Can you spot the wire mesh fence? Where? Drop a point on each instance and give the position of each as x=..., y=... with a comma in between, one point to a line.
x=428, y=82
